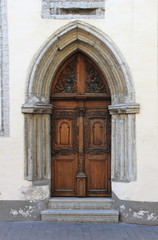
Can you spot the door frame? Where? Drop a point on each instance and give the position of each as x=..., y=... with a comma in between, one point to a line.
x=37, y=109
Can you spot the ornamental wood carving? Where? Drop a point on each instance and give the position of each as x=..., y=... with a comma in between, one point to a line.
x=94, y=82
x=65, y=143
x=67, y=78
x=79, y=75
x=103, y=135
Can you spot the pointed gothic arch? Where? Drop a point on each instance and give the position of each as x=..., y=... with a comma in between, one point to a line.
x=74, y=37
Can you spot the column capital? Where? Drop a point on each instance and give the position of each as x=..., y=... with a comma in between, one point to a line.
x=38, y=108
x=125, y=108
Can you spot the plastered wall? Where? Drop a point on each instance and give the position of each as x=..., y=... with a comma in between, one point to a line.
x=132, y=25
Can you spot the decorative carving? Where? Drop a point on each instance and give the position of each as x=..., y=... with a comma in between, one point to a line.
x=65, y=115
x=106, y=146
x=67, y=79
x=94, y=82
x=81, y=111
x=64, y=151
x=57, y=115
x=98, y=114
x=97, y=151
x=81, y=167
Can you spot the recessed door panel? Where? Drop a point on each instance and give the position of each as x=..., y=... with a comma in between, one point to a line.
x=96, y=174
x=64, y=169
x=64, y=133
x=97, y=133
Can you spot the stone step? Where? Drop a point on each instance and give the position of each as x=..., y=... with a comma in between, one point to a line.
x=80, y=215
x=80, y=203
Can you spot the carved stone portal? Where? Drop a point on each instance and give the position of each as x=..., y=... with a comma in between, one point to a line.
x=78, y=36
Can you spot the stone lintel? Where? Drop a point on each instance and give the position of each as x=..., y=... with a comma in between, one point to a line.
x=124, y=109
x=39, y=108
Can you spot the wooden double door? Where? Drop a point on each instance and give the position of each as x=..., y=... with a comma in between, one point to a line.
x=81, y=131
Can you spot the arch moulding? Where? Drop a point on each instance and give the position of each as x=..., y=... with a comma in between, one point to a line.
x=79, y=36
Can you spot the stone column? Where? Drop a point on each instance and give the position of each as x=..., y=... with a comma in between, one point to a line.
x=37, y=143
x=124, y=142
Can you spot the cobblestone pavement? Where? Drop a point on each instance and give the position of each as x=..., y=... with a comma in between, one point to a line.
x=75, y=231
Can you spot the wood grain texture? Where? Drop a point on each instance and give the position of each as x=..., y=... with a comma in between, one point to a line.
x=81, y=130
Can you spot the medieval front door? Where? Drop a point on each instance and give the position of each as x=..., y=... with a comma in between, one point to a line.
x=80, y=130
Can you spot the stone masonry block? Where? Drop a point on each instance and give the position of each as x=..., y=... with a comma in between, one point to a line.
x=73, y=9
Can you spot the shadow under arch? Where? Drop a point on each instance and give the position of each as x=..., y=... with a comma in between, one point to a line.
x=79, y=36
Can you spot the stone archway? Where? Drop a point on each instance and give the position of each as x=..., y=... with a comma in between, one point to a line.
x=79, y=36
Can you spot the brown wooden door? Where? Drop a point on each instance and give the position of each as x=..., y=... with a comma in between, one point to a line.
x=80, y=130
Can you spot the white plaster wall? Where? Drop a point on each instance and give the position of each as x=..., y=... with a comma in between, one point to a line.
x=132, y=25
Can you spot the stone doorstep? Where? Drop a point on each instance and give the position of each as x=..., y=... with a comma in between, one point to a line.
x=73, y=209
x=80, y=215
x=80, y=203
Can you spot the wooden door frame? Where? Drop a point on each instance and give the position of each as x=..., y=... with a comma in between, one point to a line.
x=37, y=110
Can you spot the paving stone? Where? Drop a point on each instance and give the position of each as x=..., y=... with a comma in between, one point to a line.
x=75, y=231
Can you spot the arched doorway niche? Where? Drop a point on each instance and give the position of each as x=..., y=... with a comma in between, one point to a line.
x=74, y=37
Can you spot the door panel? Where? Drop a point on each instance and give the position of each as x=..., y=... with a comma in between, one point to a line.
x=64, y=148
x=96, y=172
x=97, y=149
x=64, y=181
x=64, y=133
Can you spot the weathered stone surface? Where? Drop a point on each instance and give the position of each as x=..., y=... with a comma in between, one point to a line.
x=21, y=210
x=35, y=193
x=73, y=9
x=4, y=71
x=58, y=215
x=79, y=36
x=80, y=210
x=124, y=109
x=37, y=108
x=37, y=147
x=130, y=211
x=79, y=203
x=124, y=166
x=136, y=212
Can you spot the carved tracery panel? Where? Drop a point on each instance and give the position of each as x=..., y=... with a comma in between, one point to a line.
x=94, y=81
x=67, y=78
x=79, y=75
